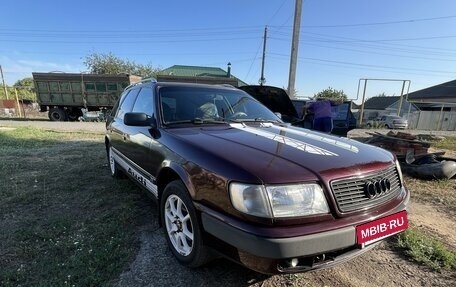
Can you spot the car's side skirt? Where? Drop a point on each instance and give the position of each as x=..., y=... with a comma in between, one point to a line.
x=146, y=180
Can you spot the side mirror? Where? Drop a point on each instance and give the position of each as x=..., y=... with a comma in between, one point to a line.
x=138, y=119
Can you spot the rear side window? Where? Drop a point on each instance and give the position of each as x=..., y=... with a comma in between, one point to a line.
x=144, y=102
x=127, y=103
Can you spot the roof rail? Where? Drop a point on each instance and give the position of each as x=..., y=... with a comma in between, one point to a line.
x=227, y=85
x=147, y=80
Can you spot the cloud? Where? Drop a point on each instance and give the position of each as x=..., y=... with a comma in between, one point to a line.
x=16, y=69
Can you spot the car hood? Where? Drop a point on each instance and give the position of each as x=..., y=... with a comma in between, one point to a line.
x=275, y=99
x=277, y=153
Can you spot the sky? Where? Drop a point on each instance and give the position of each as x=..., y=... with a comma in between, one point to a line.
x=340, y=41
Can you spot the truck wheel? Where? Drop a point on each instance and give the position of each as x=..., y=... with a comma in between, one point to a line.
x=57, y=115
x=182, y=230
x=113, y=167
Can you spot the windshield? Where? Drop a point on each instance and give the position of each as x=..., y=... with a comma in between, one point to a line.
x=210, y=105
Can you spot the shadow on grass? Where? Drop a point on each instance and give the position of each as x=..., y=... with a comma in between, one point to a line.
x=40, y=119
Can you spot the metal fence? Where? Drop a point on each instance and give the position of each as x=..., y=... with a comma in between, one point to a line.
x=433, y=120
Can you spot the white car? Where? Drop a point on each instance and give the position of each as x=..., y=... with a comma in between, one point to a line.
x=393, y=122
x=389, y=122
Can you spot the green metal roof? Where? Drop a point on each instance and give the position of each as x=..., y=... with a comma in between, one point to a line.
x=194, y=71
x=197, y=71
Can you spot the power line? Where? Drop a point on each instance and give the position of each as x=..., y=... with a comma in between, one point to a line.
x=373, y=45
x=156, y=41
x=368, y=65
x=383, y=44
x=379, y=53
x=129, y=31
x=381, y=23
x=277, y=11
x=253, y=61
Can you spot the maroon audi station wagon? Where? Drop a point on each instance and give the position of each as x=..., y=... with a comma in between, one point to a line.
x=232, y=179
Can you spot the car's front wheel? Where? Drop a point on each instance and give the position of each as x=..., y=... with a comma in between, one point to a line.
x=113, y=167
x=181, y=226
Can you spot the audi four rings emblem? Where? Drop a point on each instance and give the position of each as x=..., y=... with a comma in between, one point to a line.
x=376, y=188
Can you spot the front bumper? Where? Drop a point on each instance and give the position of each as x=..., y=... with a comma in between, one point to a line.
x=272, y=255
x=279, y=248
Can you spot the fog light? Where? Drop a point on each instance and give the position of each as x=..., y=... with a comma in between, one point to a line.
x=294, y=262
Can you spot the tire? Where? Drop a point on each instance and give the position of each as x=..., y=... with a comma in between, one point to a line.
x=57, y=115
x=181, y=226
x=386, y=126
x=113, y=166
x=368, y=125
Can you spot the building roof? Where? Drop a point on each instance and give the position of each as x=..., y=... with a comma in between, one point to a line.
x=442, y=93
x=194, y=71
x=198, y=71
x=380, y=103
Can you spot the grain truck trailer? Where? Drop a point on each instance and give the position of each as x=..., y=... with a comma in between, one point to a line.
x=64, y=95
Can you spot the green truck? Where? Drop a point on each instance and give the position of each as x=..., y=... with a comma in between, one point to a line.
x=66, y=95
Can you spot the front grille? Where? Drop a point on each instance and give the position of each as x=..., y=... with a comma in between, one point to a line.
x=350, y=193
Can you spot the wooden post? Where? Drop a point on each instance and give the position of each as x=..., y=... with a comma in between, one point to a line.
x=18, y=104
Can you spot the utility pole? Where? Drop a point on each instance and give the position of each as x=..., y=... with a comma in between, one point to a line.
x=3, y=79
x=294, y=47
x=402, y=96
x=262, y=79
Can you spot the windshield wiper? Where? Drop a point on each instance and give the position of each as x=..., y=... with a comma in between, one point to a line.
x=255, y=120
x=208, y=121
x=197, y=121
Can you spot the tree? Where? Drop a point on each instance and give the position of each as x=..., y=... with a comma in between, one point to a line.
x=332, y=94
x=111, y=64
x=294, y=93
x=25, y=83
x=25, y=89
x=2, y=92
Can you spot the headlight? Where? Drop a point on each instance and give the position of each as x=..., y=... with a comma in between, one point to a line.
x=297, y=200
x=279, y=200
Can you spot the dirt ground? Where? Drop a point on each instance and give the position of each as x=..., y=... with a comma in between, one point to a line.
x=384, y=266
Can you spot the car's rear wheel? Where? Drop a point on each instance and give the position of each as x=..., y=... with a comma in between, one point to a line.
x=181, y=226
x=113, y=166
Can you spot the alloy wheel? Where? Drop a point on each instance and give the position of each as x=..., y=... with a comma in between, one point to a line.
x=178, y=225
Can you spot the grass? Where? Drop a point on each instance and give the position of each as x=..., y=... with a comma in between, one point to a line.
x=426, y=249
x=64, y=221
x=417, y=243
x=440, y=192
x=437, y=192
x=448, y=143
